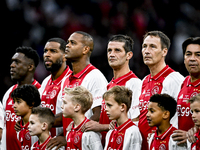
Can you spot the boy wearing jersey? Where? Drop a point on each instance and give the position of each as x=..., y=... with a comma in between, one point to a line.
x=78, y=50
x=55, y=62
x=25, y=97
x=76, y=102
x=126, y=135
x=23, y=65
x=190, y=86
x=195, y=109
x=162, y=79
x=119, y=52
x=161, y=109
x=40, y=123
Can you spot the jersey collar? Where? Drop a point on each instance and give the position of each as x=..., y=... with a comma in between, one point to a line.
x=118, y=80
x=162, y=136
x=195, y=83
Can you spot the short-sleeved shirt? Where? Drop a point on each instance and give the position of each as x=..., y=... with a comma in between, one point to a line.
x=78, y=140
x=131, y=81
x=188, y=90
x=166, y=81
x=162, y=141
x=125, y=137
x=93, y=80
x=9, y=133
x=51, y=95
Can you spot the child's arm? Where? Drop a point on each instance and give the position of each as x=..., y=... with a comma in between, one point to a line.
x=91, y=141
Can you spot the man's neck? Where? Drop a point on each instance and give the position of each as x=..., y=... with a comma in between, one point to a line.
x=194, y=77
x=28, y=80
x=78, y=66
x=155, y=69
x=58, y=73
x=118, y=72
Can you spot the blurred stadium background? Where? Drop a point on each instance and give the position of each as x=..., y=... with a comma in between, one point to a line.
x=33, y=22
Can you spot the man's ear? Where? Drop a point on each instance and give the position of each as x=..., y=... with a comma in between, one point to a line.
x=164, y=51
x=129, y=55
x=44, y=126
x=30, y=67
x=86, y=50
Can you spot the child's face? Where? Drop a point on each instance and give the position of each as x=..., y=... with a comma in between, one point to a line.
x=154, y=115
x=20, y=107
x=67, y=106
x=35, y=126
x=112, y=108
x=195, y=109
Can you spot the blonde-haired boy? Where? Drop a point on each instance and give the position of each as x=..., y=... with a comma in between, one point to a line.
x=76, y=102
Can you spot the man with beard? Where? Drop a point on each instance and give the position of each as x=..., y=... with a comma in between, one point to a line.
x=55, y=62
x=22, y=69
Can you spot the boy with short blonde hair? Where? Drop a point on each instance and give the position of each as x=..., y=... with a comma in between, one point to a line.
x=126, y=135
x=76, y=102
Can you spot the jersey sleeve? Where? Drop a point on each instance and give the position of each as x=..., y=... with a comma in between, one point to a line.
x=91, y=141
x=135, y=86
x=1, y=116
x=172, y=85
x=43, y=85
x=174, y=146
x=132, y=139
x=96, y=83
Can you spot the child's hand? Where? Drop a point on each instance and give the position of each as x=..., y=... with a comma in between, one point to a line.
x=17, y=126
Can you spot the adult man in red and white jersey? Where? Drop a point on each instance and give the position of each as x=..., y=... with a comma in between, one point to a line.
x=162, y=79
x=23, y=65
x=55, y=62
x=189, y=88
x=78, y=50
x=119, y=53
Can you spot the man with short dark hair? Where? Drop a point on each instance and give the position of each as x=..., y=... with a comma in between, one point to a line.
x=23, y=65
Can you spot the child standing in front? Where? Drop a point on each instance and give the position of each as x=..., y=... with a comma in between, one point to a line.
x=161, y=109
x=126, y=135
x=25, y=97
x=76, y=102
x=40, y=124
x=195, y=109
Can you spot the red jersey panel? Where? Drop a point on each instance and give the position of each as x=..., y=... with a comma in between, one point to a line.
x=188, y=90
x=11, y=119
x=37, y=146
x=162, y=141
x=51, y=94
x=150, y=86
x=74, y=137
x=24, y=136
x=117, y=136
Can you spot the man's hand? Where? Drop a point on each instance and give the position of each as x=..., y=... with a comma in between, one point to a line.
x=94, y=126
x=1, y=130
x=59, y=141
x=179, y=136
x=17, y=126
x=190, y=134
x=149, y=135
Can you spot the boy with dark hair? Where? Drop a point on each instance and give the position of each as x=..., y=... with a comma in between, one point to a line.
x=161, y=109
x=126, y=135
x=25, y=98
x=40, y=123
